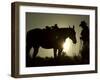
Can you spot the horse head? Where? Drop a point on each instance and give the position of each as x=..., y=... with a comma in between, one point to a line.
x=72, y=34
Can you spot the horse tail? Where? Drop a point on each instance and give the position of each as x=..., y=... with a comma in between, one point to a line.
x=28, y=47
x=32, y=39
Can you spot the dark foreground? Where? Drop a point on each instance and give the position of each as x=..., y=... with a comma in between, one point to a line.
x=50, y=61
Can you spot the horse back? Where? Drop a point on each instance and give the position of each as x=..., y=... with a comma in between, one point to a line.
x=33, y=36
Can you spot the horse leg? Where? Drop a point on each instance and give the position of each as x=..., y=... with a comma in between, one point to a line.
x=35, y=52
x=55, y=53
x=59, y=52
x=28, y=50
x=28, y=58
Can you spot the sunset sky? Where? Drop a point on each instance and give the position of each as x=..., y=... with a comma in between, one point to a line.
x=40, y=20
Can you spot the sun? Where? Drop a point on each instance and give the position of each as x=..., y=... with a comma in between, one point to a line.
x=67, y=45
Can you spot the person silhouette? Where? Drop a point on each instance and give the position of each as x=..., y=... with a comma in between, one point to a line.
x=85, y=32
x=85, y=38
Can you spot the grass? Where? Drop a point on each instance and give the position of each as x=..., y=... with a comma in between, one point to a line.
x=62, y=60
x=50, y=61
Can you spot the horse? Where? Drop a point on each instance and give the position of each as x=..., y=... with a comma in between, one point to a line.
x=48, y=39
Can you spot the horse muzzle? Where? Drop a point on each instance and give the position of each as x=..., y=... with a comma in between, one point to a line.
x=75, y=41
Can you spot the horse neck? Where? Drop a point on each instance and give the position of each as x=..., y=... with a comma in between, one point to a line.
x=64, y=33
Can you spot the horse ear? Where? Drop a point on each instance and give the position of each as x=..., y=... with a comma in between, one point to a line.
x=69, y=26
x=73, y=26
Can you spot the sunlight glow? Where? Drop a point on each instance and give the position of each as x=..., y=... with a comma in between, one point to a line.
x=67, y=45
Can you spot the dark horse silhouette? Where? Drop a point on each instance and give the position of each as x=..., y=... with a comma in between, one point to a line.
x=48, y=38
